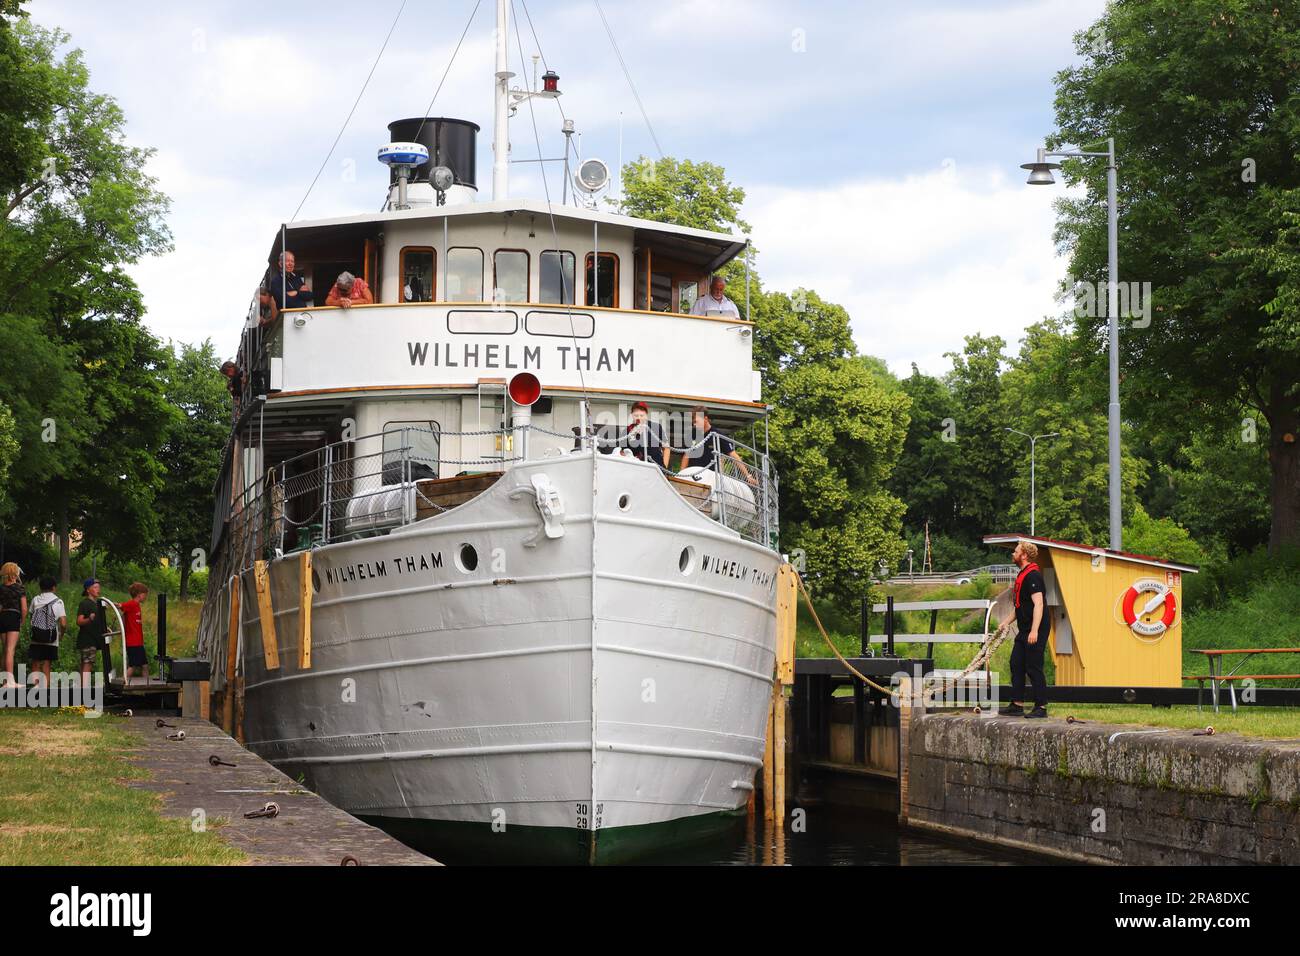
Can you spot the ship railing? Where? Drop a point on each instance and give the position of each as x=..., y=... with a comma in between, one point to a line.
x=742, y=493
x=370, y=485
x=745, y=491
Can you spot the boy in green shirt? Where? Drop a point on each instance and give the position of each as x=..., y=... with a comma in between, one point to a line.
x=90, y=628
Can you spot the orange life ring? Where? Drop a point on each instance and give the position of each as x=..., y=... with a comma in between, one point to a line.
x=1149, y=628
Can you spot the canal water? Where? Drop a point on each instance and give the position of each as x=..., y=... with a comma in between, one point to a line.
x=823, y=836
x=836, y=837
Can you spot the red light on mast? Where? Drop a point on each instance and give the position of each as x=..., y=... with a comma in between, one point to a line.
x=550, y=82
x=525, y=389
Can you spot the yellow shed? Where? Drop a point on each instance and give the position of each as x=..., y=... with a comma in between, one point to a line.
x=1116, y=617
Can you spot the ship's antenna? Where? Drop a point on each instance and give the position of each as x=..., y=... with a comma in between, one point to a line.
x=501, y=115
x=550, y=212
x=355, y=102
x=628, y=75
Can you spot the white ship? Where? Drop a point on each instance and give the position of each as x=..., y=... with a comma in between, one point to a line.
x=444, y=594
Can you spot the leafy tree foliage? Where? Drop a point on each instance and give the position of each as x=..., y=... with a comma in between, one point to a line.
x=838, y=418
x=1054, y=386
x=190, y=452
x=81, y=369
x=1200, y=97
x=978, y=484
x=927, y=472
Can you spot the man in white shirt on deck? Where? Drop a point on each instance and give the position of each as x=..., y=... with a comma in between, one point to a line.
x=715, y=302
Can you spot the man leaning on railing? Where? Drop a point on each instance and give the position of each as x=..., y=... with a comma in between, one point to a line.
x=701, y=452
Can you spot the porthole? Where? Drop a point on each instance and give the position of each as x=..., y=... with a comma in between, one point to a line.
x=466, y=558
x=686, y=563
x=624, y=502
x=315, y=581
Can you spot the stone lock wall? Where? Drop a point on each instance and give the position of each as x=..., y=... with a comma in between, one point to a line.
x=1104, y=793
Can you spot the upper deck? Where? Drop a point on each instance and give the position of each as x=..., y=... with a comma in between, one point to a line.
x=586, y=300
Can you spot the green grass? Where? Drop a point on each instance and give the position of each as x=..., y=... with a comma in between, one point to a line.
x=1249, y=720
x=64, y=800
x=1269, y=616
x=182, y=629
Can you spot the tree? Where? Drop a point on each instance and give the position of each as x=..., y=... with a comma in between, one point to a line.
x=835, y=434
x=837, y=420
x=191, y=453
x=1160, y=538
x=685, y=193
x=1200, y=97
x=928, y=468
x=979, y=484
x=682, y=192
x=1055, y=385
x=8, y=453
x=1218, y=482
x=79, y=207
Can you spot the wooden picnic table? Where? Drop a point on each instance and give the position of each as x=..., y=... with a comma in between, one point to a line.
x=1217, y=676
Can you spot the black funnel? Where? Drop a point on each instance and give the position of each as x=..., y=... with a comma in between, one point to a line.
x=450, y=142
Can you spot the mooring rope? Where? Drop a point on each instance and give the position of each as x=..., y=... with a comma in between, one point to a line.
x=982, y=656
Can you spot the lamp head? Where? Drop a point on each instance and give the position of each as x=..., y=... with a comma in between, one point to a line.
x=1040, y=170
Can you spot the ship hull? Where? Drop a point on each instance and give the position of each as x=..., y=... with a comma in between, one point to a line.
x=577, y=696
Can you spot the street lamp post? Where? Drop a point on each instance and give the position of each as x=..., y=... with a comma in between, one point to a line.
x=1033, y=445
x=1040, y=174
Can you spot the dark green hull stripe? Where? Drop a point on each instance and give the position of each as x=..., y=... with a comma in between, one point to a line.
x=459, y=843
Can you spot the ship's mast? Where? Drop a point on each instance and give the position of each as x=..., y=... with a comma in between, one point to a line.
x=501, y=125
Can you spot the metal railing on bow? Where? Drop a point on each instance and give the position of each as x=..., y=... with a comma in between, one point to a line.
x=370, y=485
x=741, y=480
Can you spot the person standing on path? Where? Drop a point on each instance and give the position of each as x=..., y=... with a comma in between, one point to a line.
x=13, y=609
x=1033, y=625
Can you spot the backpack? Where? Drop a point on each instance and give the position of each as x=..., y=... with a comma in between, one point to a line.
x=45, y=623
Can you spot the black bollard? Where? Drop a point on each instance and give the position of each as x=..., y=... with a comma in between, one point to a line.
x=889, y=624
x=162, y=624
x=107, y=653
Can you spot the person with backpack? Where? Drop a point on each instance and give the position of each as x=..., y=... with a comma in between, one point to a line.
x=49, y=622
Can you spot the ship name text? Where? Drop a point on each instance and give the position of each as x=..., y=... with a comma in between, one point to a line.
x=409, y=564
x=730, y=568
x=495, y=355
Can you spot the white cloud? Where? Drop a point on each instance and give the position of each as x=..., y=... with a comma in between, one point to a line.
x=918, y=261
x=244, y=100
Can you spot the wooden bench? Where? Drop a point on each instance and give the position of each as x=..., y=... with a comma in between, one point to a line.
x=1216, y=676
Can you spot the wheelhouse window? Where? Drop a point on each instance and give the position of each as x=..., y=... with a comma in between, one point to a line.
x=556, y=277
x=510, y=275
x=464, y=275
x=602, y=281
x=421, y=441
x=687, y=293
x=417, y=268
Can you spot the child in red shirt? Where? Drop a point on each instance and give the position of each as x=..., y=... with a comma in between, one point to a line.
x=136, y=660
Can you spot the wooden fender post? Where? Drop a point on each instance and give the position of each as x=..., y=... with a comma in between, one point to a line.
x=266, y=615
x=787, y=610
x=304, y=610
x=911, y=705
x=769, y=769
x=232, y=658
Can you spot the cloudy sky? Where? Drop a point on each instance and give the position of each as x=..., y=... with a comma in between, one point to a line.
x=878, y=141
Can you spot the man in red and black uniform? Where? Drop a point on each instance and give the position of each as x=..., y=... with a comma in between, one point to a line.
x=1032, y=625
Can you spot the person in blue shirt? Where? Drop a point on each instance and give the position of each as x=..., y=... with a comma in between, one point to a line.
x=290, y=290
